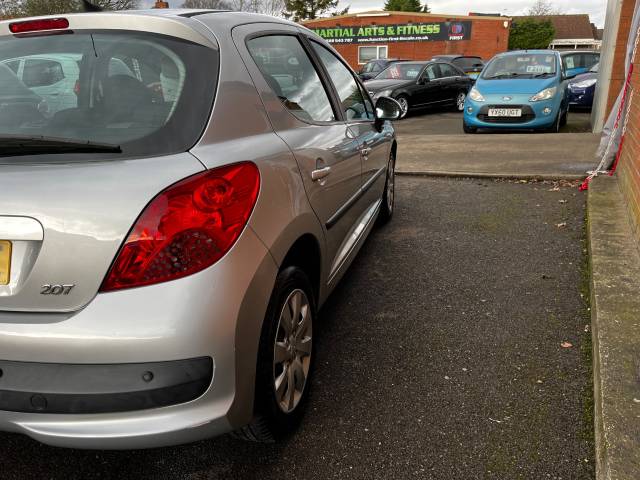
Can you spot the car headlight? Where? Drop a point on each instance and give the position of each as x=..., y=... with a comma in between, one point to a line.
x=545, y=94
x=381, y=93
x=585, y=83
x=475, y=95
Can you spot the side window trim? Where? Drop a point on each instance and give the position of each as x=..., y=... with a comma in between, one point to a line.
x=337, y=112
x=336, y=98
x=326, y=79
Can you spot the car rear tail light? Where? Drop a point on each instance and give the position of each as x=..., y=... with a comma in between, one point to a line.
x=186, y=228
x=39, y=25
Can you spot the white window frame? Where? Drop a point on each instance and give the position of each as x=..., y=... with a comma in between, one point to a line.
x=377, y=57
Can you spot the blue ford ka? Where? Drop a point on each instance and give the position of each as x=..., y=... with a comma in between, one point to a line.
x=519, y=90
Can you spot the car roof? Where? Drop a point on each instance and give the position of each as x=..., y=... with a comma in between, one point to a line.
x=148, y=20
x=529, y=52
x=569, y=52
x=416, y=62
x=453, y=57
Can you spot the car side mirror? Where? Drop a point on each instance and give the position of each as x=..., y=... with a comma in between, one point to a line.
x=387, y=109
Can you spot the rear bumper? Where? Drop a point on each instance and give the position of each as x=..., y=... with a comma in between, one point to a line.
x=198, y=337
x=33, y=387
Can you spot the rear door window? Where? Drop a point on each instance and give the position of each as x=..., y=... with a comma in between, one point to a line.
x=288, y=70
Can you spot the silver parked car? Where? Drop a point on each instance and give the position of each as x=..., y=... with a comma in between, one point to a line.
x=165, y=244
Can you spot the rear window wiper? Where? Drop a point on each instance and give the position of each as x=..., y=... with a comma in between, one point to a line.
x=16, y=145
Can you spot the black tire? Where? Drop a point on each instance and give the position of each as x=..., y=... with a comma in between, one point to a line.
x=388, y=197
x=564, y=119
x=555, y=128
x=467, y=129
x=270, y=423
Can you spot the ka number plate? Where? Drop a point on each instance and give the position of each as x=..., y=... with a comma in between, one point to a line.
x=505, y=112
x=5, y=261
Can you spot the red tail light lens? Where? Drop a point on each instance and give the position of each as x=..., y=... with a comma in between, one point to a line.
x=186, y=228
x=39, y=25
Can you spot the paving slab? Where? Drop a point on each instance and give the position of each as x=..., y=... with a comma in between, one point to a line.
x=615, y=293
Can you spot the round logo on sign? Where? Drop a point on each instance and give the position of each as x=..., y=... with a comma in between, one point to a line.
x=456, y=29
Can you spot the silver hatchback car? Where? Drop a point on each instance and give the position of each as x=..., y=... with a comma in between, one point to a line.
x=166, y=240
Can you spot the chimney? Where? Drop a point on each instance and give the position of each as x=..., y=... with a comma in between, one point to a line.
x=161, y=4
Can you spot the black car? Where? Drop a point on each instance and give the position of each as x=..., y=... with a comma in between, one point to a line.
x=470, y=65
x=422, y=84
x=373, y=67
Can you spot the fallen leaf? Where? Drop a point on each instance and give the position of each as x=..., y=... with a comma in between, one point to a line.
x=561, y=225
x=562, y=201
x=554, y=189
x=566, y=345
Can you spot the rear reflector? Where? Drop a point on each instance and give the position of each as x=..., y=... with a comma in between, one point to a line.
x=187, y=227
x=39, y=25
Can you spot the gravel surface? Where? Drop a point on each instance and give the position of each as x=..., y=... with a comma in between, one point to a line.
x=439, y=357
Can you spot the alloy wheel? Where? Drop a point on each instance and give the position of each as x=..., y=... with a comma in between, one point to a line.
x=292, y=351
x=404, y=106
x=462, y=97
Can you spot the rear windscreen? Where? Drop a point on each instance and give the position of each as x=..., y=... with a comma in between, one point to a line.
x=148, y=94
x=468, y=62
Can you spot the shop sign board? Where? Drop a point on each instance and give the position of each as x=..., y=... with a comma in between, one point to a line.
x=405, y=32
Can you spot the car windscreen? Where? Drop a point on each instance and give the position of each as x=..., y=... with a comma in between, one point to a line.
x=526, y=65
x=401, y=71
x=468, y=62
x=134, y=93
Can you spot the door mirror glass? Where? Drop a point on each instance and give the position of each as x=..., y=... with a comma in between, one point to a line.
x=387, y=109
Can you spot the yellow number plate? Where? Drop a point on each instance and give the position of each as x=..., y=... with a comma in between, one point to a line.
x=5, y=262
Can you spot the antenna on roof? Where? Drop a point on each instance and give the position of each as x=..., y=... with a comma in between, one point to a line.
x=90, y=7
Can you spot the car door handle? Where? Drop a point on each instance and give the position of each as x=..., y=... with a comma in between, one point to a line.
x=320, y=173
x=365, y=151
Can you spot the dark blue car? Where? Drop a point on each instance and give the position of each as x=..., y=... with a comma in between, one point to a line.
x=582, y=88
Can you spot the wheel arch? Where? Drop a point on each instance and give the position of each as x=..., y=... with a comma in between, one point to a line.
x=306, y=254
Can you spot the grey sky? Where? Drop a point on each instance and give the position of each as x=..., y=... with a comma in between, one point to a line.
x=595, y=8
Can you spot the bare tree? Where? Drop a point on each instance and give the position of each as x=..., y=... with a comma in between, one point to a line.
x=21, y=8
x=208, y=4
x=543, y=8
x=10, y=8
x=268, y=7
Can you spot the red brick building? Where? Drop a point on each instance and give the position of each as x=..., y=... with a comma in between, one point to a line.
x=360, y=37
x=629, y=166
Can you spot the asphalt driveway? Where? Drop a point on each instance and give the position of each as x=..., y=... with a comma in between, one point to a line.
x=433, y=142
x=454, y=349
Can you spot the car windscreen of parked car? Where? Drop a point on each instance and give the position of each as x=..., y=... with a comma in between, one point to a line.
x=401, y=71
x=133, y=93
x=525, y=65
